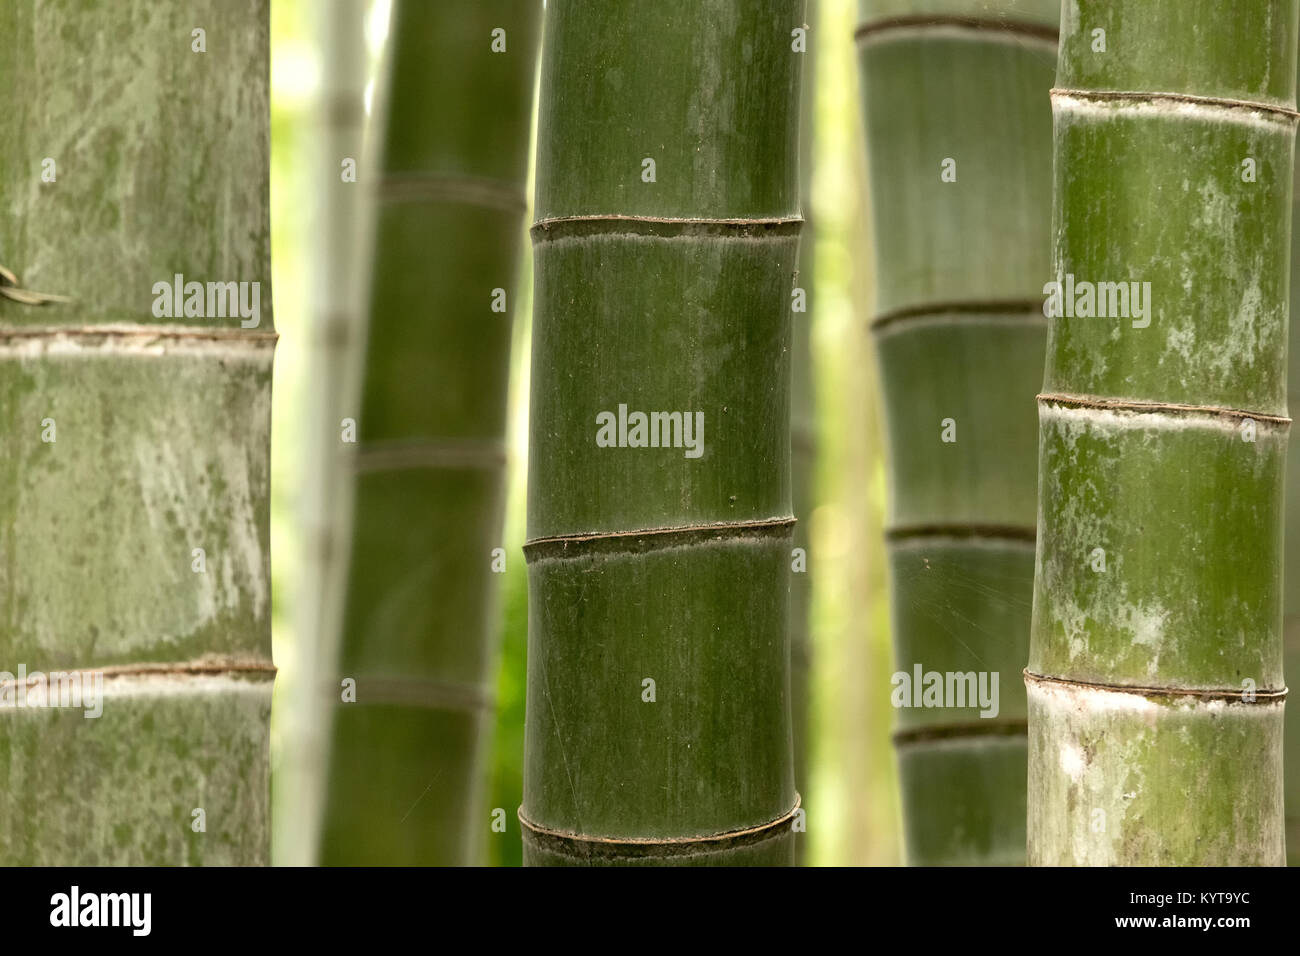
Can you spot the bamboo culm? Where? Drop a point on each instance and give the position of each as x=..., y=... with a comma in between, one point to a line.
x=958, y=143
x=658, y=713
x=339, y=238
x=407, y=774
x=1291, y=620
x=135, y=418
x=1155, y=672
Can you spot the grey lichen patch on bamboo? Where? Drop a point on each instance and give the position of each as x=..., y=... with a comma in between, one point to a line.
x=161, y=177
x=1235, y=269
x=169, y=444
x=1134, y=618
x=133, y=443
x=162, y=746
x=1094, y=754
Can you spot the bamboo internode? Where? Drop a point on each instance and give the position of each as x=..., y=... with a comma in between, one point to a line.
x=1155, y=671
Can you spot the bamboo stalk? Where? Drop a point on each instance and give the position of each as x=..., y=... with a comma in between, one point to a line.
x=1155, y=673
x=339, y=240
x=1291, y=620
x=646, y=564
x=960, y=88
x=134, y=508
x=407, y=771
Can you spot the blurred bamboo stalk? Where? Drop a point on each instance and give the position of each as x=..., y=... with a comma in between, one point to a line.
x=406, y=768
x=339, y=240
x=958, y=139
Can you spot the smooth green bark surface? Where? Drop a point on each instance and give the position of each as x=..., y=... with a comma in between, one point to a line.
x=406, y=775
x=1156, y=655
x=1291, y=619
x=644, y=563
x=959, y=337
x=160, y=432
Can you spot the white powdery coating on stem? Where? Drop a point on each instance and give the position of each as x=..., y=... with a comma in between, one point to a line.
x=183, y=684
x=1074, y=421
x=139, y=340
x=1169, y=105
x=1082, y=699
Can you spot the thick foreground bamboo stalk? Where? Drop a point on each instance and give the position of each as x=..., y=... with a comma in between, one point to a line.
x=658, y=724
x=1291, y=620
x=135, y=419
x=406, y=769
x=1155, y=673
x=958, y=143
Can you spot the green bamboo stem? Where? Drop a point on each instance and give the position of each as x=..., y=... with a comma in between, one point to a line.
x=160, y=428
x=1291, y=620
x=1155, y=679
x=338, y=238
x=960, y=335
x=644, y=564
x=407, y=772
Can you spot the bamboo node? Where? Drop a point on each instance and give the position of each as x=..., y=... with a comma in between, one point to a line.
x=1228, y=694
x=1011, y=27
x=1154, y=97
x=614, y=844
